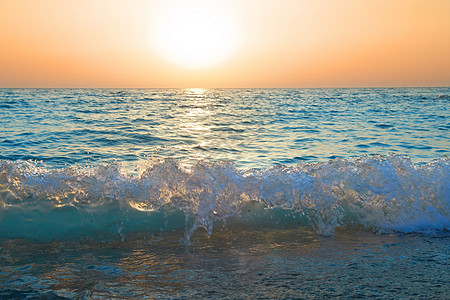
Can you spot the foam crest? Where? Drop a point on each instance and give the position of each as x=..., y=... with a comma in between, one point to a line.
x=379, y=193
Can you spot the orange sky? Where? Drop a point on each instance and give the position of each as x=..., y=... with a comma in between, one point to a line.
x=320, y=43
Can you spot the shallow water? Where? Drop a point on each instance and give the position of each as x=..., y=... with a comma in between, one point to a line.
x=234, y=263
x=238, y=193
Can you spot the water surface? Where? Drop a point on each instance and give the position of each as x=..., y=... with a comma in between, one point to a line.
x=224, y=193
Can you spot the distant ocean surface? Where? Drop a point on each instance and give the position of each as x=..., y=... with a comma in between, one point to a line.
x=225, y=193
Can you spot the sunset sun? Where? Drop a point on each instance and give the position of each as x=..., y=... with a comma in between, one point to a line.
x=196, y=36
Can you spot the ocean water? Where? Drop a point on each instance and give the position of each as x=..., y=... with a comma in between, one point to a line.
x=225, y=193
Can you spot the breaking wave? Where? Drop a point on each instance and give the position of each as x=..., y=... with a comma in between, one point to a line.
x=378, y=193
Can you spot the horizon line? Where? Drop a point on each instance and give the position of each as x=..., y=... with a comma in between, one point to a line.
x=217, y=88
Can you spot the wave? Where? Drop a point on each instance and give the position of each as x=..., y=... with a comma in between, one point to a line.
x=382, y=194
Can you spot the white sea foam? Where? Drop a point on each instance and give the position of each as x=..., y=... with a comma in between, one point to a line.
x=379, y=193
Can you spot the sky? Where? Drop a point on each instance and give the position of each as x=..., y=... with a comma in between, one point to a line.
x=224, y=44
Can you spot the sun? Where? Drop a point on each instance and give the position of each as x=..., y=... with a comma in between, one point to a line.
x=196, y=34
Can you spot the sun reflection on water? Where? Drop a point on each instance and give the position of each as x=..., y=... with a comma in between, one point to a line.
x=196, y=119
x=195, y=91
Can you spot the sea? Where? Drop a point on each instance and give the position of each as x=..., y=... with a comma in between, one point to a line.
x=225, y=193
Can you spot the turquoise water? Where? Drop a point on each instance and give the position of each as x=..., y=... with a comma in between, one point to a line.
x=253, y=128
x=238, y=193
